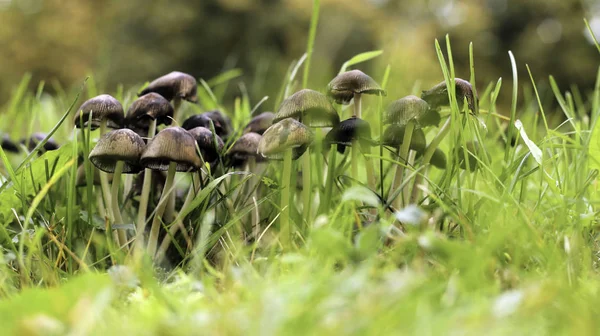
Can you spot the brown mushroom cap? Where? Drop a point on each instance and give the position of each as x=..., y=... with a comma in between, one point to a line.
x=245, y=147
x=8, y=145
x=260, y=123
x=172, y=144
x=403, y=110
x=211, y=145
x=310, y=107
x=146, y=108
x=343, y=87
x=101, y=107
x=394, y=136
x=283, y=135
x=352, y=129
x=174, y=85
x=118, y=145
x=219, y=120
x=438, y=159
x=438, y=95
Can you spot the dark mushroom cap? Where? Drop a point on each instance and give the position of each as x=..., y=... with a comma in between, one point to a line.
x=8, y=145
x=244, y=147
x=405, y=109
x=118, y=145
x=101, y=107
x=36, y=138
x=174, y=85
x=211, y=145
x=352, y=129
x=146, y=108
x=283, y=135
x=220, y=121
x=310, y=107
x=260, y=123
x=438, y=95
x=172, y=144
x=394, y=136
x=343, y=87
x=438, y=159
x=474, y=151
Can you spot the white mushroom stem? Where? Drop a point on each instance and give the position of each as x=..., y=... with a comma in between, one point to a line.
x=306, y=186
x=104, y=180
x=354, y=159
x=403, y=157
x=160, y=210
x=143, y=207
x=176, y=108
x=357, y=105
x=330, y=178
x=121, y=234
x=284, y=223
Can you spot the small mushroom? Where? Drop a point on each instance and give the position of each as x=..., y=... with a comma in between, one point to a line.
x=438, y=159
x=147, y=112
x=352, y=84
x=174, y=85
x=394, y=136
x=348, y=131
x=474, y=153
x=260, y=123
x=438, y=95
x=245, y=148
x=36, y=138
x=283, y=135
x=221, y=122
x=405, y=109
x=210, y=145
x=104, y=109
x=310, y=107
x=8, y=145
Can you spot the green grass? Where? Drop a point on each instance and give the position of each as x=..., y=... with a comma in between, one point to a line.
x=509, y=248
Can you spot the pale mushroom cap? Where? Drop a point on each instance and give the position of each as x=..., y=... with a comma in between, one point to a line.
x=174, y=85
x=118, y=145
x=438, y=95
x=101, y=107
x=310, y=107
x=286, y=134
x=146, y=108
x=260, y=123
x=343, y=87
x=405, y=109
x=172, y=144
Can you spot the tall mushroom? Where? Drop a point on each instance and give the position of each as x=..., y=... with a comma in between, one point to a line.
x=118, y=152
x=260, y=123
x=352, y=85
x=287, y=139
x=438, y=95
x=315, y=111
x=174, y=86
x=173, y=149
x=143, y=116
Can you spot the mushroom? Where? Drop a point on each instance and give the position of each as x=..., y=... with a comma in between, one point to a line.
x=353, y=84
x=8, y=145
x=210, y=144
x=36, y=138
x=394, y=136
x=474, y=154
x=287, y=139
x=172, y=149
x=244, y=151
x=438, y=95
x=147, y=112
x=143, y=116
x=105, y=110
x=174, y=86
x=438, y=159
x=260, y=123
x=221, y=122
x=118, y=152
x=405, y=112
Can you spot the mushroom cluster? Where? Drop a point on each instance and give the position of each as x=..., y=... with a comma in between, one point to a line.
x=306, y=127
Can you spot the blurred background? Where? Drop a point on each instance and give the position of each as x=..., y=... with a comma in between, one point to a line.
x=133, y=41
